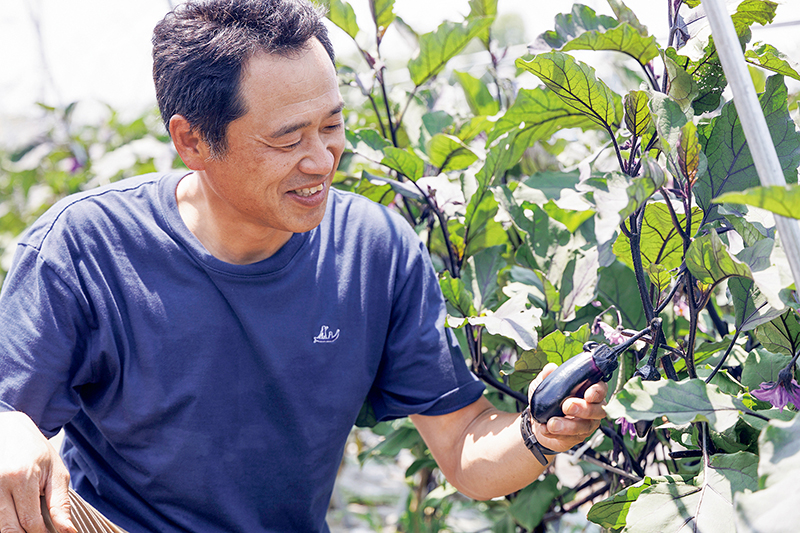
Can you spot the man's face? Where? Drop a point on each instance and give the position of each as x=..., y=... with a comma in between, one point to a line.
x=282, y=154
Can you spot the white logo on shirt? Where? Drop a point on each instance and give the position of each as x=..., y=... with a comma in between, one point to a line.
x=326, y=335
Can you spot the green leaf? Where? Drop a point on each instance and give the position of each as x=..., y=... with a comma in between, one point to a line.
x=708, y=75
x=479, y=99
x=513, y=320
x=781, y=335
x=750, y=12
x=342, y=14
x=531, y=503
x=543, y=236
x=483, y=8
x=660, y=242
x=456, y=294
x=382, y=14
x=730, y=164
x=750, y=305
x=404, y=162
x=710, y=262
x=571, y=25
x=367, y=142
x=406, y=189
x=625, y=14
x=680, y=84
x=439, y=47
x=613, y=512
x=448, y=152
x=637, y=113
x=782, y=200
x=762, y=365
x=556, y=347
x=681, y=402
x=617, y=286
x=768, y=57
x=537, y=114
x=578, y=282
x=480, y=273
x=623, y=38
x=575, y=83
x=669, y=118
x=690, y=161
x=774, y=508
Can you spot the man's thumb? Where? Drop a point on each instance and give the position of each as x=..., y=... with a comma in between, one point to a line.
x=56, y=510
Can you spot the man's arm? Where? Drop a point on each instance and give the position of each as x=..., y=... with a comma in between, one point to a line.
x=480, y=448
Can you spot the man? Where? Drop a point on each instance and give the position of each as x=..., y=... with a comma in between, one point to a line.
x=207, y=339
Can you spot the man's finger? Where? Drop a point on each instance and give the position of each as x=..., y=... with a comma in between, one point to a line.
x=56, y=502
x=28, y=508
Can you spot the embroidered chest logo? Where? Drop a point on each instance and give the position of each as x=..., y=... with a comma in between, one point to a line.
x=326, y=335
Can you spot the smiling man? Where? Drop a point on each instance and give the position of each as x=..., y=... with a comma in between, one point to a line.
x=208, y=338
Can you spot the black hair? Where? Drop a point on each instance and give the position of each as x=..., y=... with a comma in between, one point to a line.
x=201, y=48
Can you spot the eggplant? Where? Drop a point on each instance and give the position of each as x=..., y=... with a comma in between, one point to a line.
x=597, y=362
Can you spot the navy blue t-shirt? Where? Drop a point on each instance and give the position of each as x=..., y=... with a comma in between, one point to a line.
x=202, y=396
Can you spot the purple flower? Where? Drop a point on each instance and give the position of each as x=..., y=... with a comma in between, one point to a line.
x=613, y=335
x=626, y=427
x=780, y=393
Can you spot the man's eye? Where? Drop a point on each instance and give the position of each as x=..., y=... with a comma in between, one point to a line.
x=334, y=127
x=290, y=146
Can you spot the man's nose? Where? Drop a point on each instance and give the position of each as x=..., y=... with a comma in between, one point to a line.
x=319, y=160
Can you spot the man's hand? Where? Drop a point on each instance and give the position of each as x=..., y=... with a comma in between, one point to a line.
x=582, y=416
x=29, y=468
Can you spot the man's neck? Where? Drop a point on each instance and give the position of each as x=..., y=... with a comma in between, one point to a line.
x=223, y=232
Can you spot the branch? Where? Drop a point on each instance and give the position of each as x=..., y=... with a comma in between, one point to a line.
x=724, y=357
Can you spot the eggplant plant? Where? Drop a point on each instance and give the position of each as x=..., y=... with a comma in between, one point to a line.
x=575, y=212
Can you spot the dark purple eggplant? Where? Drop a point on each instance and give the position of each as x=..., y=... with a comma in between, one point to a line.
x=572, y=379
x=597, y=362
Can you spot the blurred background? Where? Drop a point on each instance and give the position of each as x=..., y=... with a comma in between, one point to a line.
x=61, y=51
x=77, y=109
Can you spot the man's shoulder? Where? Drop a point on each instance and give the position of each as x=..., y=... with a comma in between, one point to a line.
x=96, y=205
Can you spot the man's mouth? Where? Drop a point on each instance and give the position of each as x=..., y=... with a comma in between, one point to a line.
x=308, y=192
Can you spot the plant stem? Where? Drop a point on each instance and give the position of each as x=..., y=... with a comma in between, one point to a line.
x=724, y=357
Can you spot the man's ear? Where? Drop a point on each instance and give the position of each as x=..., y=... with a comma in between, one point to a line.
x=190, y=145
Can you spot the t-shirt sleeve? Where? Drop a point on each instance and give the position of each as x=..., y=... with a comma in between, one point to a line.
x=40, y=342
x=423, y=370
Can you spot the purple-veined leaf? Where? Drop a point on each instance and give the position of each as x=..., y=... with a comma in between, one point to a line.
x=537, y=114
x=403, y=161
x=448, y=152
x=782, y=334
x=782, y=200
x=439, y=47
x=576, y=84
x=623, y=38
x=480, y=274
x=681, y=402
x=570, y=25
x=751, y=306
x=689, y=158
x=637, y=113
x=709, y=260
x=730, y=164
x=660, y=242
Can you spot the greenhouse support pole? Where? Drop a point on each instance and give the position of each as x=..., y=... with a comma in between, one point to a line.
x=753, y=122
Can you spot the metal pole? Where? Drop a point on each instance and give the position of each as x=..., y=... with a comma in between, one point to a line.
x=753, y=122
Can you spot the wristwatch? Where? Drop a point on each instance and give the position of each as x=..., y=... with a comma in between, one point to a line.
x=529, y=438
